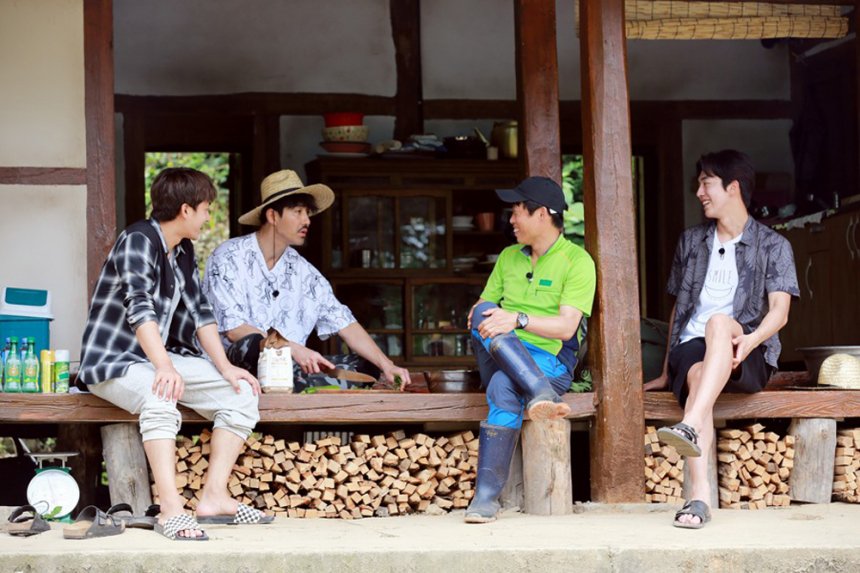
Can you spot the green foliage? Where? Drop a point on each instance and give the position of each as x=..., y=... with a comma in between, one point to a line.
x=574, y=217
x=216, y=166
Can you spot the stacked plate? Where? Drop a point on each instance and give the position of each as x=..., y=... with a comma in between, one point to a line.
x=462, y=223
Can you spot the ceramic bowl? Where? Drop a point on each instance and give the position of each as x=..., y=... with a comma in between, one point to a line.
x=346, y=133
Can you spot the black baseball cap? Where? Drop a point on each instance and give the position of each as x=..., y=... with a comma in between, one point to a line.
x=542, y=190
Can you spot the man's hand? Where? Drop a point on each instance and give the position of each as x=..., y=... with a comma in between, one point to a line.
x=498, y=321
x=391, y=371
x=744, y=344
x=658, y=383
x=310, y=361
x=168, y=384
x=235, y=376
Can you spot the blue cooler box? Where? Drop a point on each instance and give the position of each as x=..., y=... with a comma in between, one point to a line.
x=26, y=313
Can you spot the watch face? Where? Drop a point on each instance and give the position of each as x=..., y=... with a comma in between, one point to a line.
x=53, y=492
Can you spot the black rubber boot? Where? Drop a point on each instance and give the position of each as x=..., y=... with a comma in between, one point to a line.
x=495, y=450
x=514, y=359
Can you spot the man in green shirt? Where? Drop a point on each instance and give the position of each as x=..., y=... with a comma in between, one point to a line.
x=525, y=330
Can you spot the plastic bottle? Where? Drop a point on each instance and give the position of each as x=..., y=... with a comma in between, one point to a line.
x=61, y=371
x=47, y=371
x=31, y=369
x=13, y=368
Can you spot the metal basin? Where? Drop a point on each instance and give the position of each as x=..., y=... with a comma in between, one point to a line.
x=815, y=355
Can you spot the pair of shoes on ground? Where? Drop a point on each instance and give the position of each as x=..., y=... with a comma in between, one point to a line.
x=92, y=522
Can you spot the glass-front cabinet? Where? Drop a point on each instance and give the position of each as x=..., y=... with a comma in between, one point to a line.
x=408, y=246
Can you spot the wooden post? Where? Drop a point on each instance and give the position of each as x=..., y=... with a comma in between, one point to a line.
x=125, y=461
x=87, y=465
x=99, y=106
x=616, y=460
x=537, y=88
x=408, y=103
x=856, y=117
x=714, y=501
x=512, y=493
x=814, y=455
x=548, y=489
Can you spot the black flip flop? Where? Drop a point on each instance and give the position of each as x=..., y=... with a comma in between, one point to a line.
x=26, y=521
x=92, y=522
x=681, y=437
x=696, y=508
x=145, y=521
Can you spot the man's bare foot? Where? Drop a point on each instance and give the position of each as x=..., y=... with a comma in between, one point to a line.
x=172, y=508
x=210, y=506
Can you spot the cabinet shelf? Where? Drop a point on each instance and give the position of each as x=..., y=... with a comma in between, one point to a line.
x=388, y=246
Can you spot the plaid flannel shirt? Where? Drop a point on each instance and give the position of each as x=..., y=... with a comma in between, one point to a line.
x=136, y=285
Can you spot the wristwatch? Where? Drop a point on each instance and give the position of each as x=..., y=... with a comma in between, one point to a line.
x=522, y=320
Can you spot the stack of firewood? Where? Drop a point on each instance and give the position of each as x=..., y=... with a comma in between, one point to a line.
x=754, y=468
x=372, y=476
x=846, y=478
x=664, y=471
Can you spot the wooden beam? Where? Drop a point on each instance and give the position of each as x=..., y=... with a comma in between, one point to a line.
x=537, y=88
x=262, y=103
x=134, y=137
x=856, y=117
x=768, y=404
x=616, y=462
x=42, y=176
x=470, y=108
x=281, y=408
x=406, y=32
x=99, y=112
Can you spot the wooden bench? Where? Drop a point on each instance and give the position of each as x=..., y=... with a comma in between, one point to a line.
x=352, y=408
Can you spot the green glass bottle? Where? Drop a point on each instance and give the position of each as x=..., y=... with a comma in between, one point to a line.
x=13, y=368
x=31, y=368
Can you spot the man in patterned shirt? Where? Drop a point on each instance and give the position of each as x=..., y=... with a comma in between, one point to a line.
x=139, y=351
x=264, y=293
x=733, y=279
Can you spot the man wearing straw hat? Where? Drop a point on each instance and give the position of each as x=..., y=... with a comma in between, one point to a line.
x=264, y=293
x=733, y=279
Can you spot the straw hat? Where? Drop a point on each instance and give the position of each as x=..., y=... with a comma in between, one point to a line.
x=281, y=184
x=841, y=370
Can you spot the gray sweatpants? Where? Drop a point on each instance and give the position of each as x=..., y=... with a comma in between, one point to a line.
x=206, y=392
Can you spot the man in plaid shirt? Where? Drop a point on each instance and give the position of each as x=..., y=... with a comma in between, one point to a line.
x=139, y=351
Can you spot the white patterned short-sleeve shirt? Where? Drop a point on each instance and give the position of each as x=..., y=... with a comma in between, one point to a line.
x=241, y=288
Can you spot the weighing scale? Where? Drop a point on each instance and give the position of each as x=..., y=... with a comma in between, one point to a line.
x=53, y=492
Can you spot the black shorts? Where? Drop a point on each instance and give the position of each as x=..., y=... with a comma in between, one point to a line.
x=750, y=377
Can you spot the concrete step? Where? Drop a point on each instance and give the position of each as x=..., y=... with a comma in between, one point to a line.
x=633, y=538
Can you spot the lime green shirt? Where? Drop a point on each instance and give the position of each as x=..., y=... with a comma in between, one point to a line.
x=564, y=275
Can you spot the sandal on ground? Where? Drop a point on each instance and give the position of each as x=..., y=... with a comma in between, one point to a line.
x=177, y=524
x=681, y=437
x=26, y=521
x=696, y=508
x=244, y=516
x=145, y=521
x=92, y=522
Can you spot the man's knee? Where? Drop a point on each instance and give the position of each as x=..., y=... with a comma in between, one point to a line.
x=478, y=313
x=159, y=420
x=719, y=325
x=241, y=415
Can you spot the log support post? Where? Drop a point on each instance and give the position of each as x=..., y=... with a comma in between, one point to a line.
x=548, y=489
x=125, y=460
x=814, y=455
x=617, y=465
